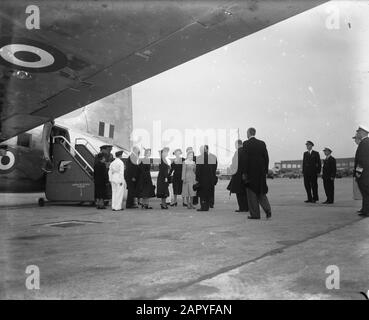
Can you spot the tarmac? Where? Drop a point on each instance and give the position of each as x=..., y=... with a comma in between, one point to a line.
x=85, y=253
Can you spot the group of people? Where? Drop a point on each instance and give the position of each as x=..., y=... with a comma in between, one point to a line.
x=312, y=167
x=191, y=177
x=194, y=177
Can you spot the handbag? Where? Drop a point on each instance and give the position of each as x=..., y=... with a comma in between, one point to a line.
x=196, y=187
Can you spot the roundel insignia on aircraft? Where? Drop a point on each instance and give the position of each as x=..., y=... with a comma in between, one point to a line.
x=8, y=161
x=30, y=55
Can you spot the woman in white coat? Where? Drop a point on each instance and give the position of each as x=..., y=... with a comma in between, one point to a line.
x=116, y=178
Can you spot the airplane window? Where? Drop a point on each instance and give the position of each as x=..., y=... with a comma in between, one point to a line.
x=101, y=128
x=24, y=140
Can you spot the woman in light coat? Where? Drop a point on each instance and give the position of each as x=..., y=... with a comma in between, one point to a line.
x=189, y=179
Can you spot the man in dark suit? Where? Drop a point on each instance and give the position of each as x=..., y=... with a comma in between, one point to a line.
x=311, y=167
x=131, y=176
x=361, y=169
x=215, y=160
x=329, y=174
x=206, y=167
x=255, y=163
x=236, y=185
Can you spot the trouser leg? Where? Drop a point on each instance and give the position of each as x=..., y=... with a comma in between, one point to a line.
x=129, y=202
x=242, y=201
x=119, y=197
x=329, y=189
x=211, y=199
x=114, y=187
x=314, y=186
x=326, y=188
x=253, y=203
x=308, y=188
x=264, y=203
x=204, y=201
x=332, y=190
x=364, y=189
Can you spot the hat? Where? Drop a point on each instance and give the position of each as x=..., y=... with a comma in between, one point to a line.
x=118, y=153
x=106, y=146
x=363, y=128
x=327, y=149
x=309, y=142
x=177, y=150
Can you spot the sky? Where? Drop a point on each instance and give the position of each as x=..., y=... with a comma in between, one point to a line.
x=305, y=78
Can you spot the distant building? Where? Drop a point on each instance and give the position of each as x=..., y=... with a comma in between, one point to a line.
x=277, y=167
x=343, y=164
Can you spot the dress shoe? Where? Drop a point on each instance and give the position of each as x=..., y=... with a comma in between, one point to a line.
x=253, y=218
x=269, y=215
x=308, y=201
x=325, y=202
x=238, y=211
x=201, y=210
x=360, y=211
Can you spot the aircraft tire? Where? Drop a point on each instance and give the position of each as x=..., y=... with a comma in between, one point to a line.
x=41, y=202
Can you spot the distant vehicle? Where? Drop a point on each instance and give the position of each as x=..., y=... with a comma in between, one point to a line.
x=291, y=175
x=344, y=173
x=270, y=174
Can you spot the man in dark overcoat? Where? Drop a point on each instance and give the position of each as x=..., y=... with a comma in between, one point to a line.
x=206, y=167
x=361, y=169
x=329, y=174
x=254, y=170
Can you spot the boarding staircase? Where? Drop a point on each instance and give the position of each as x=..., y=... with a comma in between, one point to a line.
x=72, y=177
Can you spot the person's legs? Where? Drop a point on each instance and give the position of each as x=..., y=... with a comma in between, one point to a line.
x=314, y=186
x=119, y=197
x=212, y=198
x=130, y=195
x=189, y=201
x=114, y=196
x=326, y=188
x=264, y=203
x=242, y=201
x=364, y=189
x=174, y=199
x=253, y=203
x=332, y=191
x=308, y=188
x=164, y=203
x=204, y=201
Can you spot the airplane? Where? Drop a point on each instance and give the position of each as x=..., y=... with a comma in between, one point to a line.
x=92, y=126
x=83, y=51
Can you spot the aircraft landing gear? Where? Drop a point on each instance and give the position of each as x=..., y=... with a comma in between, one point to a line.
x=41, y=202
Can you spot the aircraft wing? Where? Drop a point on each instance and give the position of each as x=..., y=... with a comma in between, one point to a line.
x=86, y=50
